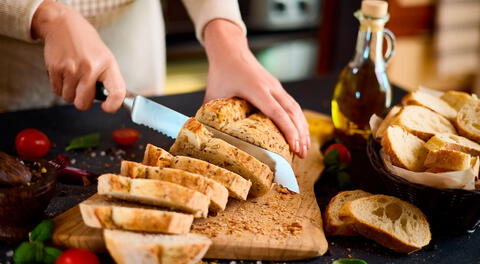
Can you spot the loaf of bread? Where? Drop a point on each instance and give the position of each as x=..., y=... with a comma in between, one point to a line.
x=99, y=212
x=453, y=142
x=238, y=118
x=423, y=122
x=404, y=149
x=389, y=221
x=457, y=99
x=237, y=186
x=196, y=141
x=154, y=192
x=468, y=120
x=431, y=102
x=333, y=224
x=450, y=160
x=140, y=248
x=215, y=191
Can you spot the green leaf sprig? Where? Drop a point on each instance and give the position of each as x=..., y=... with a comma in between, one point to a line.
x=334, y=166
x=349, y=261
x=84, y=142
x=34, y=251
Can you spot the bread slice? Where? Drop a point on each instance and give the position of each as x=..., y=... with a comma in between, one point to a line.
x=448, y=159
x=333, y=224
x=140, y=248
x=154, y=192
x=155, y=156
x=431, y=102
x=99, y=212
x=388, y=121
x=236, y=185
x=404, y=149
x=238, y=118
x=215, y=191
x=456, y=99
x=468, y=121
x=423, y=122
x=453, y=142
x=196, y=141
x=391, y=222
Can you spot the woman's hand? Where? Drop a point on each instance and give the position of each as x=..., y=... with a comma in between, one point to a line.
x=76, y=58
x=234, y=71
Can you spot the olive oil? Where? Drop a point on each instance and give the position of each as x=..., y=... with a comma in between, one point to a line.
x=363, y=88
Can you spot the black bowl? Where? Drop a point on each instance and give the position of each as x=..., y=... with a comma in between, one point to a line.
x=447, y=210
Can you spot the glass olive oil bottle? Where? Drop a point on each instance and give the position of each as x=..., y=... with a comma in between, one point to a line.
x=363, y=87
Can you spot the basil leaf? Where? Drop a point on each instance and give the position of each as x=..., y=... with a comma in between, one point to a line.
x=83, y=142
x=331, y=158
x=50, y=255
x=42, y=232
x=349, y=261
x=29, y=252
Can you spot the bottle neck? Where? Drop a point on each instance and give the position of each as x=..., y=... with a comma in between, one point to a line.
x=370, y=41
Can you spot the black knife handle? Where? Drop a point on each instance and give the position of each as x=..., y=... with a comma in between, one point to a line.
x=100, y=92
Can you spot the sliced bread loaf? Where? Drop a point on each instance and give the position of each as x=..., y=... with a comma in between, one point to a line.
x=215, y=191
x=140, y=248
x=99, y=212
x=196, y=141
x=154, y=192
x=450, y=160
x=468, y=120
x=404, y=149
x=456, y=99
x=453, y=142
x=238, y=118
x=391, y=222
x=423, y=122
x=431, y=102
x=236, y=185
x=155, y=156
x=333, y=224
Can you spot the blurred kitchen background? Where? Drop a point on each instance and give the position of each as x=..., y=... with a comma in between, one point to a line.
x=438, y=41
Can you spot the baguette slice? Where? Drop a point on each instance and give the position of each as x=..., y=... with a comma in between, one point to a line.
x=139, y=248
x=196, y=141
x=389, y=221
x=453, y=142
x=240, y=119
x=155, y=156
x=236, y=185
x=98, y=212
x=450, y=160
x=333, y=224
x=431, y=102
x=456, y=99
x=468, y=121
x=154, y=192
x=423, y=122
x=404, y=149
x=215, y=191
x=388, y=121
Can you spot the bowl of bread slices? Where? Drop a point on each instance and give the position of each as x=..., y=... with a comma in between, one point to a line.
x=427, y=152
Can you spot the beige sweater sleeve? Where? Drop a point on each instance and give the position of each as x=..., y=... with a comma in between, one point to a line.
x=16, y=18
x=204, y=11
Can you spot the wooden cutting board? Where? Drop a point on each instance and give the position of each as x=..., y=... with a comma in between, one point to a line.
x=277, y=226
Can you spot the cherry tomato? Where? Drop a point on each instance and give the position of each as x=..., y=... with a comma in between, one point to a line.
x=125, y=136
x=343, y=152
x=77, y=256
x=32, y=143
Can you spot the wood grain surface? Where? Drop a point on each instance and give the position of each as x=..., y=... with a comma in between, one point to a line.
x=277, y=226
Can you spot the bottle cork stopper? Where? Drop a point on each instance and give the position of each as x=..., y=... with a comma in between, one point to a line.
x=374, y=8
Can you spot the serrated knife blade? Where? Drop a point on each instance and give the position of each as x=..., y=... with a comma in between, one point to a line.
x=169, y=122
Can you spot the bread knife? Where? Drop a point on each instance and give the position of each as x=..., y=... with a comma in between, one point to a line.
x=169, y=122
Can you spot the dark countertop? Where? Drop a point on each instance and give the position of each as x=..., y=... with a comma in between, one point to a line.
x=64, y=122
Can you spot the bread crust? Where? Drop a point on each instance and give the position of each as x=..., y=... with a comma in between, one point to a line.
x=395, y=155
x=431, y=102
x=448, y=159
x=456, y=99
x=468, y=120
x=453, y=142
x=155, y=156
x=238, y=118
x=196, y=141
